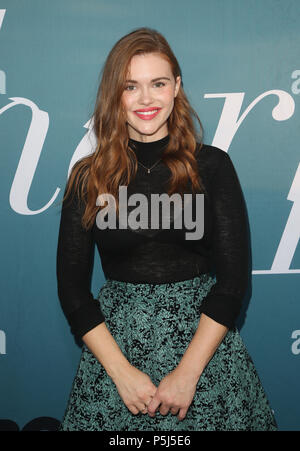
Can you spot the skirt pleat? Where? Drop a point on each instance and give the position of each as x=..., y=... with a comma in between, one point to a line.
x=153, y=325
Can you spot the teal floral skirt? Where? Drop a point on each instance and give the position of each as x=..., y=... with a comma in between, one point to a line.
x=153, y=324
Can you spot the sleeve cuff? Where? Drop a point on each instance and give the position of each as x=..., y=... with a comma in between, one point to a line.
x=85, y=318
x=223, y=309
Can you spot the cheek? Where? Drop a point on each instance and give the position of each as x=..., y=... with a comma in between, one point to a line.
x=168, y=96
x=125, y=102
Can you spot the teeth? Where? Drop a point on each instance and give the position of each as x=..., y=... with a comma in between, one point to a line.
x=146, y=113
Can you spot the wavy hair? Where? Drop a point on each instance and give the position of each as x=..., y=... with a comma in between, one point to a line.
x=114, y=163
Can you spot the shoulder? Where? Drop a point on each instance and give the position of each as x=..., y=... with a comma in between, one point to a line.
x=210, y=153
x=76, y=184
x=210, y=158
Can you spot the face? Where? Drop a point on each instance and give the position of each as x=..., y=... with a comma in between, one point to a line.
x=148, y=98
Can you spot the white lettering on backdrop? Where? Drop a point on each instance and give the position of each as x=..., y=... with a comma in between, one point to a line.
x=2, y=73
x=2, y=342
x=228, y=125
x=2, y=14
x=29, y=157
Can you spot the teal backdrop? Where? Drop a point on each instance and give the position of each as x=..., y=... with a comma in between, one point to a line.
x=241, y=72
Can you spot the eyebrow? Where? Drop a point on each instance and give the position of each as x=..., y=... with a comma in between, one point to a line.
x=154, y=79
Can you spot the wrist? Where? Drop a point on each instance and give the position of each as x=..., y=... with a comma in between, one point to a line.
x=118, y=369
x=190, y=376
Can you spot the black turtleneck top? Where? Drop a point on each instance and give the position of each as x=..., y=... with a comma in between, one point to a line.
x=161, y=255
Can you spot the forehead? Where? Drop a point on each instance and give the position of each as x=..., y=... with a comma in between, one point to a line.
x=148, y=66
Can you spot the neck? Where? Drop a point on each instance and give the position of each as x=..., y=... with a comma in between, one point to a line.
x=148, y=152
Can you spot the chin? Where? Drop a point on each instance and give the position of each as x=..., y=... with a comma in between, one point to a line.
x=147, y=130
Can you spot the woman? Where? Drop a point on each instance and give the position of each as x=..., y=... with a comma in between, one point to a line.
x=161, y=349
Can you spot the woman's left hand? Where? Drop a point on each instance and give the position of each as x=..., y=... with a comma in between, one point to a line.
x=175, y=393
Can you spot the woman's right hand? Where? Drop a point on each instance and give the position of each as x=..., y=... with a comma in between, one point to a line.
x=135, y=388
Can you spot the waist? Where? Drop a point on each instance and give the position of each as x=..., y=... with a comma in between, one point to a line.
x=195, y=281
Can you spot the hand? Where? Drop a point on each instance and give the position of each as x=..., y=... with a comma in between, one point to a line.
x=135, y=388
x=175, y=393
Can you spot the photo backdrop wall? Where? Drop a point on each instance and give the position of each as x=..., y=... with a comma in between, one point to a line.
x=241, y=72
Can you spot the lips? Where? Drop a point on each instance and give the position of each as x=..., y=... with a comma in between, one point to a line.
x=147, y=113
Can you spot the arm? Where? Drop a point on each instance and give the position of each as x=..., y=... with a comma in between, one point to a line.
x=176, y=390
x=201, y=349
x=83, y=312
x=74, y=264
x=75, y=257
x=106, y=350
x=220, y=308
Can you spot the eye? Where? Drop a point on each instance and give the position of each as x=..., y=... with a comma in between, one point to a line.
x=161, y=83
x=128, y=87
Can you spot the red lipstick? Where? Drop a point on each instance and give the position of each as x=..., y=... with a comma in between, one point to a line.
x=145, y=113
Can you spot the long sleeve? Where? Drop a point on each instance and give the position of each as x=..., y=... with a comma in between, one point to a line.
x=74, y=264
x=230, y=251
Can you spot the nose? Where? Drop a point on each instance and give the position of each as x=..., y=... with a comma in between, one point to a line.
x=145, y=96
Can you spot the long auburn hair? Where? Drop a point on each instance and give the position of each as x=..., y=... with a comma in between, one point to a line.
x=114, y=163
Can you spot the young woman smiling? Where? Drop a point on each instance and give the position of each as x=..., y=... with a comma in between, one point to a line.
x=161, y=350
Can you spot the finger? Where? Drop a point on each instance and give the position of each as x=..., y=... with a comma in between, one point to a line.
x=164, y=409
x=152, y=406
x=133, y=410
x=174, y=410
x=182, y=414
x=142, y=408
x=149, y=400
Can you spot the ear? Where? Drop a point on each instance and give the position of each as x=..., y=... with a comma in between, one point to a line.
x=177, y=85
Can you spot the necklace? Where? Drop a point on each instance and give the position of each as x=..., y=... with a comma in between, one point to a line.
x=149, y=169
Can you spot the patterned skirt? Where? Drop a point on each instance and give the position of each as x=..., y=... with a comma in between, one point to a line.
x=153, y=325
